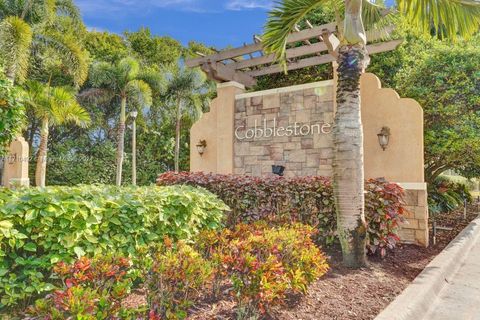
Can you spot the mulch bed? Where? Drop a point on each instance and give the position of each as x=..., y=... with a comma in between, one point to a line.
x=344, y=293
x=355, y=294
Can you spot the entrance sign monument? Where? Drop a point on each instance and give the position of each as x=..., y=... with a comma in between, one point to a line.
x=249, y=132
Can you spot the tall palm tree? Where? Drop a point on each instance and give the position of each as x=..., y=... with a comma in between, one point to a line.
x=447, y=18
x=187, y=91
x=53, y=106
x=123, y=81
x=29, y=27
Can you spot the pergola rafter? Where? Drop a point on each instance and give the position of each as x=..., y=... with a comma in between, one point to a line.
x=320, y=45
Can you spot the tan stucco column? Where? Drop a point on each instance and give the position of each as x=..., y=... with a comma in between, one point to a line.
x=15, y=171
x=217, y=129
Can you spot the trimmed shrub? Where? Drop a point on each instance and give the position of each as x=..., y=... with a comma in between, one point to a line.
x=307, y=200
x=40, y=227
x=264, y=264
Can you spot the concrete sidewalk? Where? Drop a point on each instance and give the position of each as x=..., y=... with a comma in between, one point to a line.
x=460, y=297
x=448, y=288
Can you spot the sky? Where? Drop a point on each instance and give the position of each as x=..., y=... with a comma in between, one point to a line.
x=217, y=23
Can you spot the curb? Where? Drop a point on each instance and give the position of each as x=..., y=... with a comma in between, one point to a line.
x=415, y=301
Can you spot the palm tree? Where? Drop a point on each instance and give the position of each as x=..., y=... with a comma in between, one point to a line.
x=447, y=18
x=124, y=81
x=187, y=91
x=29, y=27
x=53, y=106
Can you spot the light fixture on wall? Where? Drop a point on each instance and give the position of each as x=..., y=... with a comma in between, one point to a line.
x=201, y=146
x=384, y=137
x=278, y=170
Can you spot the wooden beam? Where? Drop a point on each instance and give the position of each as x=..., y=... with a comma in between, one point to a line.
x=291, y=53
x=232, y=53
x=383, y=46
x=332, y=42
x=313, y=61
x=303, y=63
x=222, y=73
x=315, y=48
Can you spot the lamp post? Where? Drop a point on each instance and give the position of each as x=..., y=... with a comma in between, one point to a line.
x=134, y=115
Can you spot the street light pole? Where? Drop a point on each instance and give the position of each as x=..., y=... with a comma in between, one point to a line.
x=134, y=115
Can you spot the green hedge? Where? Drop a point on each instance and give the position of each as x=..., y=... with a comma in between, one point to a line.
x=39, y=227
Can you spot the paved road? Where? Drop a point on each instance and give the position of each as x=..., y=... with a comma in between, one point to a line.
x=460, y=298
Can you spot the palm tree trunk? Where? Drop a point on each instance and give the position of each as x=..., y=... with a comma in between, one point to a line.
x=348, y=171
x=178, y=125
x=41, y=169
x=121, y=141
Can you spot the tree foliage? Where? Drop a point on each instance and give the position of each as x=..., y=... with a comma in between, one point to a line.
x=12, y=113
x=447, y=84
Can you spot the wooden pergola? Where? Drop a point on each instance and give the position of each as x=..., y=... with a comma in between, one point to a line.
x=244, y=64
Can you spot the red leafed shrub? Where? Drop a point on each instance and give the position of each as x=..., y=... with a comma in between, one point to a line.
x=384, y=209
x=264, y=264
x=307, y=200
x=92, y=289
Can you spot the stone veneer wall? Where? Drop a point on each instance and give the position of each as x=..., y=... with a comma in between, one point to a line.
x=415, y=230
x=301, y=155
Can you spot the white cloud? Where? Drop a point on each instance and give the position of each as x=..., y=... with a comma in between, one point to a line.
x=108, y=6
x=249, y=4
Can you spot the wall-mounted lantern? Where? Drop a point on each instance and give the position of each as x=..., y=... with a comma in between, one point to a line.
x=384, y=137
x=278, y=170
x=201, y=146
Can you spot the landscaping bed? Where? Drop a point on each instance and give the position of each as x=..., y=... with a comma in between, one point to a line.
x=357, y=294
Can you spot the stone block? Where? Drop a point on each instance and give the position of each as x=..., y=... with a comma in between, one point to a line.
x=258, y=151
x=239, y=171
x=326, y=153
x=411, y=197
x=411, y=224
x=421, y=213
x=313, y=161
x=296, y=156
x=240, y=105
x=271, y=101
x=422, y=198
x=421, y=237
x=238, y=162
x=422, y=225
x=409, y=214
x=241, y=148
x=310, y=102
x=302, y=117
x=307, y=143
x=250, y=160
x=257, y=171
x=407, y=235
x=291, y=145
x=256, y=101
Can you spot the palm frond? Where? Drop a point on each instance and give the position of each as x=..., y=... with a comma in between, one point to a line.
x=103, y=75
x=281, y=22
x=140, y=92
x=154, y=79
x=74, y=57
x=69, y=9
x=446, y=18
x=128, y=68
x=15, y=42
x=64, y=108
